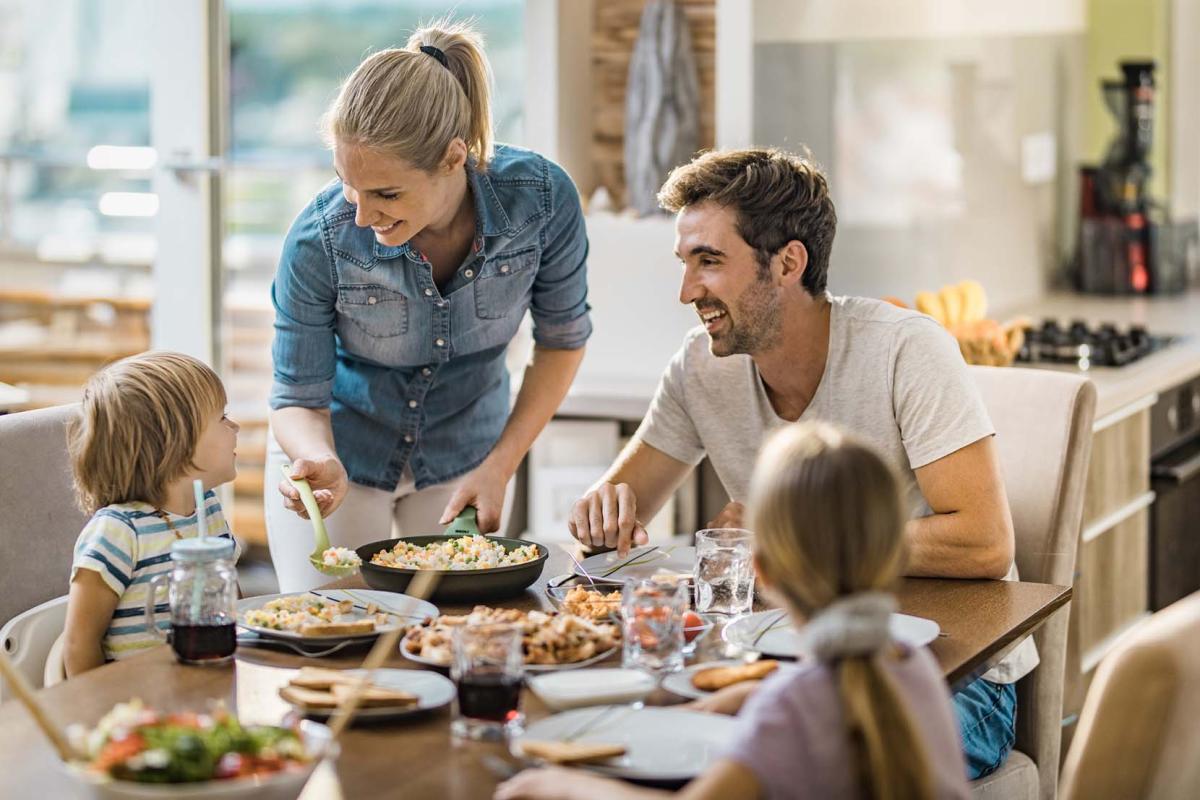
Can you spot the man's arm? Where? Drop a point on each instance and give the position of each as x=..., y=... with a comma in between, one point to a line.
x=970, y=533
x=633, y=489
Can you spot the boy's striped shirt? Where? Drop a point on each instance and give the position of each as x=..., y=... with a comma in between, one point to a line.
x=127, y=545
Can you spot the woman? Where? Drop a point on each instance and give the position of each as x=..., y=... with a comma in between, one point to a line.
x=864, y=717
x=398, y=290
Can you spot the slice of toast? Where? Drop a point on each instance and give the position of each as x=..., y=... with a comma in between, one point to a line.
x=338, y=628
x=715, y=678
x=376, y=696
x=319, y=678
x=571, y=752
x=308, y=698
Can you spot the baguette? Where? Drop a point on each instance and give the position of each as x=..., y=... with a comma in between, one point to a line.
x=308, y=698
x=337, y=628
x=715, y=678
x=375, y=696
x=319, y=678
x=571, y=752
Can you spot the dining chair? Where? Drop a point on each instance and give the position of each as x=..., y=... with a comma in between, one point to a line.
x=1043, y=421
x=40, y=520
x=30, y=638
x=1137, y=731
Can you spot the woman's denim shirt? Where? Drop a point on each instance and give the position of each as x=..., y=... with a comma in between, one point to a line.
x=413, y=375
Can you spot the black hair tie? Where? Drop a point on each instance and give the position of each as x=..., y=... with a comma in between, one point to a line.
x=430, y=50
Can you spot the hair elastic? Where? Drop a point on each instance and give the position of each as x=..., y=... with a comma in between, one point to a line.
x=430, y=50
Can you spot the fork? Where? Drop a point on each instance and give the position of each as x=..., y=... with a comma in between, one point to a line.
x=360, y=603
x=263, y=641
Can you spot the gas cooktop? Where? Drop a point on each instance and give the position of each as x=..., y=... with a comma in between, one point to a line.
x=1085, y=346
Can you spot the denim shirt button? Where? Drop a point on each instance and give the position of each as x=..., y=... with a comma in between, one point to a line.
x=470, y=273
x=429, y=292
x=372, y=300
x=426, y=371
x=504, y=269
x=408, y=438
x=440, y=342
x=412, y=403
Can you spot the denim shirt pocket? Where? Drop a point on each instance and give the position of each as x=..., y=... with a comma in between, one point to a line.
x=504, y=285
x=373, y=309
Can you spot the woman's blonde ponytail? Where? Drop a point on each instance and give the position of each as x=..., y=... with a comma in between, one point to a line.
x=463, y=48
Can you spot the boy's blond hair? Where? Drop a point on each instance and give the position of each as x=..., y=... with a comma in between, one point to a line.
x=829, y=517
x=138, y=426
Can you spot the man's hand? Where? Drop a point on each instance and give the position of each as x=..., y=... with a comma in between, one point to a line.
x=328, y=480
x=731, y=516
x=482, y=487
x=607, y=517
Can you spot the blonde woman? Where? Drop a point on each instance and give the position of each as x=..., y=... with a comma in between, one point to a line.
x=398, y=290
x=148, y=426
x=864, y=717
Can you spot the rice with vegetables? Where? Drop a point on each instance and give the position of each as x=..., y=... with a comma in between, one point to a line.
x=460, y=553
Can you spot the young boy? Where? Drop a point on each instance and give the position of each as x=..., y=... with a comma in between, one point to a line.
x=149, y=425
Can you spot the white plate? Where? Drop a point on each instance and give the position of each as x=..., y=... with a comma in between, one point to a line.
x=432, y=689
x=400, y=603
x=672, y=558
x=782, y=639
x=663, y=744
x=591, y=687
x=528, y=667
x=680, y=683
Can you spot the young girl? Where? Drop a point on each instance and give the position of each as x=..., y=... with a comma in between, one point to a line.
x=149, y=425
x=863, y=717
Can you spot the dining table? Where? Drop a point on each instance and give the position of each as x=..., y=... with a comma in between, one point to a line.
x=980, y=621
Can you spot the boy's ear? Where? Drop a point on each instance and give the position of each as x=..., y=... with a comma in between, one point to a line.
x=793, y=261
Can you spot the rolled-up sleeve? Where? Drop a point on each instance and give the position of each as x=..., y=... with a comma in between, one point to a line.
x=304, y=352
x=559, y=306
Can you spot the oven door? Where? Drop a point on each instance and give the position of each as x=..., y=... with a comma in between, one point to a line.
x=1174, y=532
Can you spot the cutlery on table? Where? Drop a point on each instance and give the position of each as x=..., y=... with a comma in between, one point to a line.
x=362, y=604
x=254, y=640
x=320, y=535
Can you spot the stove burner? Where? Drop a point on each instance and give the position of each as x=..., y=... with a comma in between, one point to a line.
x=1085, y=346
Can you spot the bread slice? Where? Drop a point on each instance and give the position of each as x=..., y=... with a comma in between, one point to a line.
x=320, y=677
x=376, y=696
x=571, y=752
x=715, y=678
x=338, y=628
x=308, y=698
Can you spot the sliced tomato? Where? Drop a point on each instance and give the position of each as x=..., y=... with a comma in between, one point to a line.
x=117, y=751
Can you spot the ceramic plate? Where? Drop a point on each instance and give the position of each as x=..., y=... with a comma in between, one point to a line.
x=434, y=691
x=680, y=683
x=414, y=611
x=663, y=744
x=641, y=562
x=591, y=687
x=780, y=638
x=587, y=662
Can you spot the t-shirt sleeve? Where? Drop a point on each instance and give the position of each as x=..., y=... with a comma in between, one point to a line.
x=107, y=546
x=937, y=406
x=768, y=742
x=668, y=426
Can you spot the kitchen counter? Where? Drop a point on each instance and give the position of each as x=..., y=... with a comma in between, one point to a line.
x=1118, y=387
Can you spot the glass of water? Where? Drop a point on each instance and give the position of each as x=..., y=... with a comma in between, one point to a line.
x=652, y=613
x=724, y=571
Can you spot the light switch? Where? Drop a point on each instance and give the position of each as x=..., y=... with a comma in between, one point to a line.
x=1039, y=160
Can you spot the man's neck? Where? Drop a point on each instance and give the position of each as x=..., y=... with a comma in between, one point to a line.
x=791, y=370
x=180, y=498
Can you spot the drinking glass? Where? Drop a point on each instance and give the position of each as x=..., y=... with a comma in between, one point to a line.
x=486, y=669
x=652, y=614
x=724, y=571
x=202, y=601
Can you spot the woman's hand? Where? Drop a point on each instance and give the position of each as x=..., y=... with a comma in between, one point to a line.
x=328, y=480
x=482, y=487
x=557, y=783
x=726, y=701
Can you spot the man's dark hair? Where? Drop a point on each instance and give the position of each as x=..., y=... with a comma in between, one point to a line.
x=776, y=196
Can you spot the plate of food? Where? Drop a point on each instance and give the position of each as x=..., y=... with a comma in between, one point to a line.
x=602, y=602
x=392, y=694
x=553, y=640
x=331, y=615
x=651, y=743
x=470, y=567
x=137, y=752
x=659, y=562
x=702, y=680
x=772, y=633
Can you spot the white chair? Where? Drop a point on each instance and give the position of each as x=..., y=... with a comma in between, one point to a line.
x=29, y=640
x=1043, y=424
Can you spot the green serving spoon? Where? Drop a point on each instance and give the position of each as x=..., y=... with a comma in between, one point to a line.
x=320, y=535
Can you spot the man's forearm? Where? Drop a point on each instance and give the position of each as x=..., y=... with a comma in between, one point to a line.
x=951, y=546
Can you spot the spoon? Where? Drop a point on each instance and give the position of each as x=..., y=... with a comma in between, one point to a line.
x=317, y=556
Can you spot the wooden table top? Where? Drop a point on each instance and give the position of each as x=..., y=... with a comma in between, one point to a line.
x=983, y=620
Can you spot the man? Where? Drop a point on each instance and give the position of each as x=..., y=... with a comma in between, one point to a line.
x=754, y=230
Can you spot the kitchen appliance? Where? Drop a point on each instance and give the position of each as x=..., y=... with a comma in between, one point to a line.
x=1085, y=346
x=1127, y=243
x=1175, y=478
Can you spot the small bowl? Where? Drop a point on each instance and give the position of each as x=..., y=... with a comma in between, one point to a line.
x=591, y=687
x=284, y=785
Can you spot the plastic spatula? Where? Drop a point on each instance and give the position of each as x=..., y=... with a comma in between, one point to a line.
x=320, y=536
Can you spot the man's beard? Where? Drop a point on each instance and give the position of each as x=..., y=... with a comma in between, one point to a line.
x=758, y=324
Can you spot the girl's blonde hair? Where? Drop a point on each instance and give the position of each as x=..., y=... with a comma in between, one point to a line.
x=138, y=426
x=406, y=104
x=829, y=518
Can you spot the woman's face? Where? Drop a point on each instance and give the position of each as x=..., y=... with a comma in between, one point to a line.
x=394, y=198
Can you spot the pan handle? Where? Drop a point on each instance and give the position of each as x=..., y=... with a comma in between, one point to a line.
x=465, y=524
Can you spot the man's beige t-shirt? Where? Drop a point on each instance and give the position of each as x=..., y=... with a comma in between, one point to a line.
x=893, y=377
